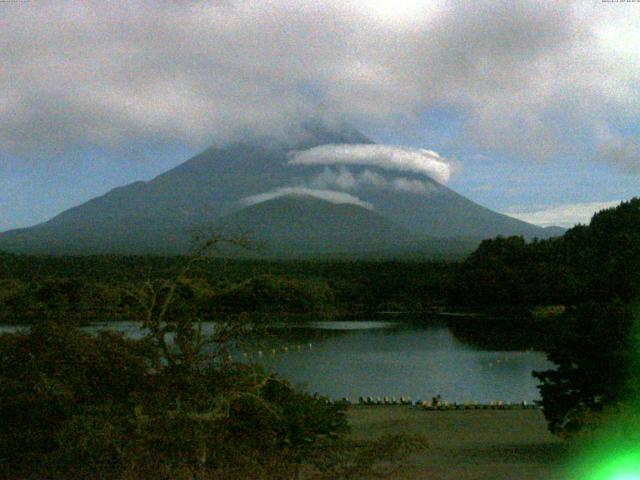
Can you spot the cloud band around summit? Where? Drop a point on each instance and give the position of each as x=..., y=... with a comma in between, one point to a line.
x=388, y=157
x=328, y=195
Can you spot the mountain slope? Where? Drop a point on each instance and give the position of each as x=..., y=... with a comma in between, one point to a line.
x=306, y=225
x=157, y=216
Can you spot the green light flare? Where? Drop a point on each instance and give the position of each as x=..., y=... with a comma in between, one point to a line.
x=619, y=467
x=614, y=451
x=607, y=460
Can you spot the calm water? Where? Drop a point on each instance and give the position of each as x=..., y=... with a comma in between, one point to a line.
x=355, y=359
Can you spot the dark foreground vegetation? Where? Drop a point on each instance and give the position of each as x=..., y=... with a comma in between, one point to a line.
x=79, y=406
x=172, y=405
x=87, y=289
x=76, y=406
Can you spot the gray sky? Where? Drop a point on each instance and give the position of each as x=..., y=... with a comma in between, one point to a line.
x=537, y=103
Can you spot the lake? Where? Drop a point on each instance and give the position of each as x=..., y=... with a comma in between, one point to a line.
x=351, y=359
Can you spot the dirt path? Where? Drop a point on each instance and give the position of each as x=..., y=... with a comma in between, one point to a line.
x=469, y=444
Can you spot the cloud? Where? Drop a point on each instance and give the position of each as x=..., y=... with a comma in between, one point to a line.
x=412, y=186
x=328, y=195
x=562, y=215
x=525, y=75
x=388, y=157
x=344, y=179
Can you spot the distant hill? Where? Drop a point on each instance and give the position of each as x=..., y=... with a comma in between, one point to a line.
x=554, y=232
x=301, y=225
x=308, y=224
x=156, y=217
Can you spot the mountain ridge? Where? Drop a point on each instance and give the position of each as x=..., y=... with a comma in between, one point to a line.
x=156, y=216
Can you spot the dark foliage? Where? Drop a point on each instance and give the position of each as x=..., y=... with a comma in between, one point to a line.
x=599, y=262
x=54, y=373
x=592, y=271
x=80, y=406
x=89, y=289
x=596, y=366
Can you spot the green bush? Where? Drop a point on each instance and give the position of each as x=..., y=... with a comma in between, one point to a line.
x=277, y=293
x=76, y=406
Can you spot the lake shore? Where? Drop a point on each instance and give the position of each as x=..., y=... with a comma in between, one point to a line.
x=468, y=444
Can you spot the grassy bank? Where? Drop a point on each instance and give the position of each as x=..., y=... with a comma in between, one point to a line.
x=464, y=445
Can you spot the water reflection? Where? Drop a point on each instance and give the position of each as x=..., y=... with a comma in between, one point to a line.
x=404, y=360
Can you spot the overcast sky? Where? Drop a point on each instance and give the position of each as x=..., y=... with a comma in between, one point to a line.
x=536, y=103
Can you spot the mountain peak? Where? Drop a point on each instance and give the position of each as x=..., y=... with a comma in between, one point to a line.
x=156, y=216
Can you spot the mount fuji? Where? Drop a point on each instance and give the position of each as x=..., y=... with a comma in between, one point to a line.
x=286, y=196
